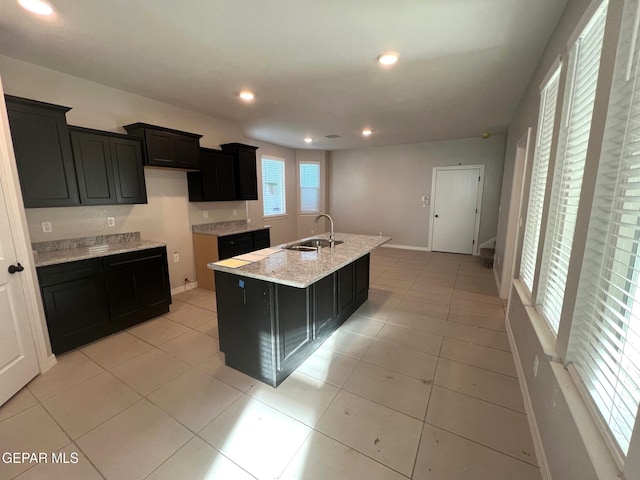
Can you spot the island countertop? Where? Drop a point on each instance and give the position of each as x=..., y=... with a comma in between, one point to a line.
x=301, y=269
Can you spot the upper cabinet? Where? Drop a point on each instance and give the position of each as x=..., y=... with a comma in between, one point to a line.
x=227, y=174
x=109, y=167
x=43, y=153
x=165, y=147
x=216, y=180
x=246, y=180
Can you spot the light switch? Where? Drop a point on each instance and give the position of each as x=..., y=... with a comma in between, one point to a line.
x=111, y=222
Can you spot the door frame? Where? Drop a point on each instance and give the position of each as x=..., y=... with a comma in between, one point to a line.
x=22, y=243
x=476, y=230
x=515, y=216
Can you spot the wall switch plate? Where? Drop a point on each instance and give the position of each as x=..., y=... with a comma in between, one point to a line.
x=205, y=214
x=235, y=212
x=176, y=257
x=46, y=227
x=111, y=222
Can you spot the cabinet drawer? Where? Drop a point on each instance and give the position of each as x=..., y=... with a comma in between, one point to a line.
x=127, y=260
x=232, y=245
x=261, y=237
x=66, y=272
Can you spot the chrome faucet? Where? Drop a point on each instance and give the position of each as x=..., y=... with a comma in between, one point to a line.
x=331, y=237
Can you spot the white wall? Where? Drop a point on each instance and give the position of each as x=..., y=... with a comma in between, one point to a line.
x=168, y=215
x=379, y=189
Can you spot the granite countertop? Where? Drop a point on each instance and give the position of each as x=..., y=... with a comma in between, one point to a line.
x=93, y=251
x=301, y=269
x=219, y=231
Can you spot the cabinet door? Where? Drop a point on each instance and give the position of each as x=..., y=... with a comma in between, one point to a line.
x=160, y=148
x=294, y=329
x=324, y=304
x=247, y=174
x=233, y=245
x=137, y=286
x=362, y=278
x=76, y=312
x=94, y=168
x=225, y=176
x=128, y=170
x=346, y=291
x=43, y=154
x=186, y=151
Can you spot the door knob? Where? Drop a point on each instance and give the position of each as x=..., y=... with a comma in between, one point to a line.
x=15, y=268
x=436, y=216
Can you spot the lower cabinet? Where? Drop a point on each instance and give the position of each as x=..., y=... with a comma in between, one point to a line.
x=89, y=299
x=267, y=330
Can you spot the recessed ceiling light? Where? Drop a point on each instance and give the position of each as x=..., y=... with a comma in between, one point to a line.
x=366, y=132
x=308, y=139
x=39, y=7
x=247, y=95
x=388, y=58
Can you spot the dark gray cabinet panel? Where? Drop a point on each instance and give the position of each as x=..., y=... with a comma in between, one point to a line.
x=165, y=147
x=109, y=167
x=246, y=170
x=232, y=245
x=43, y=153
x=216, y=180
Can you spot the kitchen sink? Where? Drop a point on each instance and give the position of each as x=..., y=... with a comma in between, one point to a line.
x=311, y=244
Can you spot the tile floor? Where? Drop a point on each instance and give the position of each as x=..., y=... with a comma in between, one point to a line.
x=420, y=383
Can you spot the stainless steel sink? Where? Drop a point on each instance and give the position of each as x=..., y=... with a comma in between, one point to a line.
x=311, y=244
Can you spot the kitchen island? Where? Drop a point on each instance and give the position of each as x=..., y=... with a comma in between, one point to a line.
x=274, y=312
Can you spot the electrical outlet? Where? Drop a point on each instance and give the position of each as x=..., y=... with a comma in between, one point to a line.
x=535, y=365
x=235, y=212
x=205, y=214
x=111, y=222
x=248, y=220
x=46, y=227
x=176, y=257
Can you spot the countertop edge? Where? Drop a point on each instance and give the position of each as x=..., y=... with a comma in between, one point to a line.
x=77, y=254
x=232, y=231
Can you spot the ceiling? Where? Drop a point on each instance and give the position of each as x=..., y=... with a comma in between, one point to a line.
x=463, y=65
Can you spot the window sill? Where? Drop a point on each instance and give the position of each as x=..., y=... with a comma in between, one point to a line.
x=275, y=217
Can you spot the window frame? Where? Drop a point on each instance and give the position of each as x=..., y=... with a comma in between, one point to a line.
x=300, y=187
x=283, y=165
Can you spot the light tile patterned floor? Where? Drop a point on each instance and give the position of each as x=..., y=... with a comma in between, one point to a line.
x=420, y=383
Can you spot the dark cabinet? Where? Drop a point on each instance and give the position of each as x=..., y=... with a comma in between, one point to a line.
x=165, y=147
x=89, y=299
x=239, y=243
x=75, y=303
x=267, y=330
x=246, y=170
x=216, y=180
x=137, y=286
x=43, y=153
x=108, y=166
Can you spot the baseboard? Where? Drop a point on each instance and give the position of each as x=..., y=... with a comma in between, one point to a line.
x=495, y=276
x=543, y=465
x=406, y=247
x=50, y=363
x=184, y=288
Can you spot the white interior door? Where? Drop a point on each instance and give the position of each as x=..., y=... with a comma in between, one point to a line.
x=456, y=209
x=18, y=361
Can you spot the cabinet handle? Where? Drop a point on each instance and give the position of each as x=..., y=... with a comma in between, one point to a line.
x=162, y=160
x=15, y=268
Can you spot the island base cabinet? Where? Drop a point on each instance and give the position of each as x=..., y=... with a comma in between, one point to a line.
x=266, y=330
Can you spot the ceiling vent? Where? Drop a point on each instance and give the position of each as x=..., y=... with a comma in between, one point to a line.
x=333, y=135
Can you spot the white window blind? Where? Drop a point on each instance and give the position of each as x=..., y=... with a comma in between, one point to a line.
x=604, y=345
x=584, y=63
x=310, y=187
x=546, y=120
x=273, y=187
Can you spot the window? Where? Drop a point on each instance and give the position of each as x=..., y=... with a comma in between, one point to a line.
x=546, y=120
x=604, y=344
x=584, y=64
x=273, y=187
x=309, y=187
